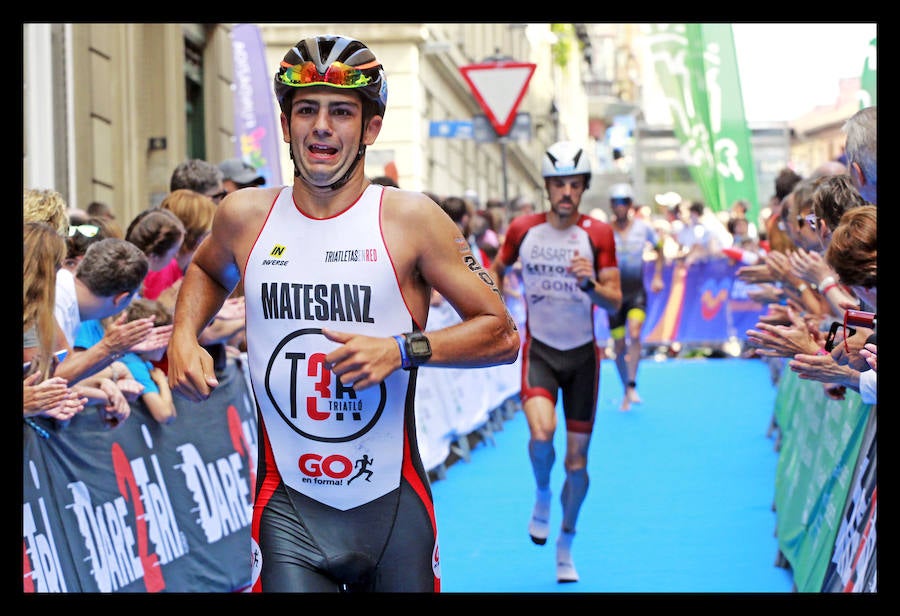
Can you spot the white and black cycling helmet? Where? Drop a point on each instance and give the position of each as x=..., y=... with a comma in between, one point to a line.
x=566, y=158
x=335, y=61
x=621, y=193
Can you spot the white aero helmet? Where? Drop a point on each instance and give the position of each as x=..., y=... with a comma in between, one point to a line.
x=621, y=192
x=565, y=158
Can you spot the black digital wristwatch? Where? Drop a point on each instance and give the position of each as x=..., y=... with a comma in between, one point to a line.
x=418, y=349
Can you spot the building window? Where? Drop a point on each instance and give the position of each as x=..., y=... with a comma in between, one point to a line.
x=193, y=88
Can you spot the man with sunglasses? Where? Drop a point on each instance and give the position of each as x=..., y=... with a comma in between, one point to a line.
x=832, y=195
x=237, y=173
x=200, y=176
x=802, y=218
x=338, y=273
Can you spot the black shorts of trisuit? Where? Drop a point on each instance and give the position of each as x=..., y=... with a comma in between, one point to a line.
x=633, y=298
x=386, y=545
x=575, y=372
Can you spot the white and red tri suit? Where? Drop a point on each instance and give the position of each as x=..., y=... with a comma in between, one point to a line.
x=342, y=497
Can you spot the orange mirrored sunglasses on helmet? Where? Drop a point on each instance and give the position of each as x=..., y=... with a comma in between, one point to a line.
x=338, y=75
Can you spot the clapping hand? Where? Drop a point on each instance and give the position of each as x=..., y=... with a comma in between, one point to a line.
x=758, y=273
x=121, y=335
x=157, y=338
x=766, y=293
x=783, y=340
x=50, y=398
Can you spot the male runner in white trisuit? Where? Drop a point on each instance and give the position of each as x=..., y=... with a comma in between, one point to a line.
x=626, y=325
x=568, y=268
x=337, y=274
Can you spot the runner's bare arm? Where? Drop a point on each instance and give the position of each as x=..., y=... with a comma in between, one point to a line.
x=210, y=277
x=439, y=256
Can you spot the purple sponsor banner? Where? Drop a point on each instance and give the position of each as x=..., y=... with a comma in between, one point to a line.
x=256, y=128
x=711, y=306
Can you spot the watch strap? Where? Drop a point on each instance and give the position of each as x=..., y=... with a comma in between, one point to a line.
x=404, y=356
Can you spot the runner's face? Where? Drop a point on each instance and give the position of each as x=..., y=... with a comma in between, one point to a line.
x=324, y=132
x=565, y=194
x=620, y=210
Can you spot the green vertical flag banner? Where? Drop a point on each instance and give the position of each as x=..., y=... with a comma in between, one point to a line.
x=697, y=68
x=868, y=82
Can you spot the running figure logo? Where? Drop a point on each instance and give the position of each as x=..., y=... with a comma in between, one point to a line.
x=363, y=464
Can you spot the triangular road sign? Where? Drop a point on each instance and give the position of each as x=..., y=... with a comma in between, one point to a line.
x=499, y=88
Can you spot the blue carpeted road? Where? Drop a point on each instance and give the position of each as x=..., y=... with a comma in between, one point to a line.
x=680, y=499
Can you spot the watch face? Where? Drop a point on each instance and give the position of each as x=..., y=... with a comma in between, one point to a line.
x=419, y=346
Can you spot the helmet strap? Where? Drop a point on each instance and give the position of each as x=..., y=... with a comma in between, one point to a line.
x=346, y=176
x=359, y=154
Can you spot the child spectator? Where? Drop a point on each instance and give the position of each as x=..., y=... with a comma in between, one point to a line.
x=159, y=234
x=156, y=395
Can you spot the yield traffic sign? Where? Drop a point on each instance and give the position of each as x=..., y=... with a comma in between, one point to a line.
x=499, y=88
